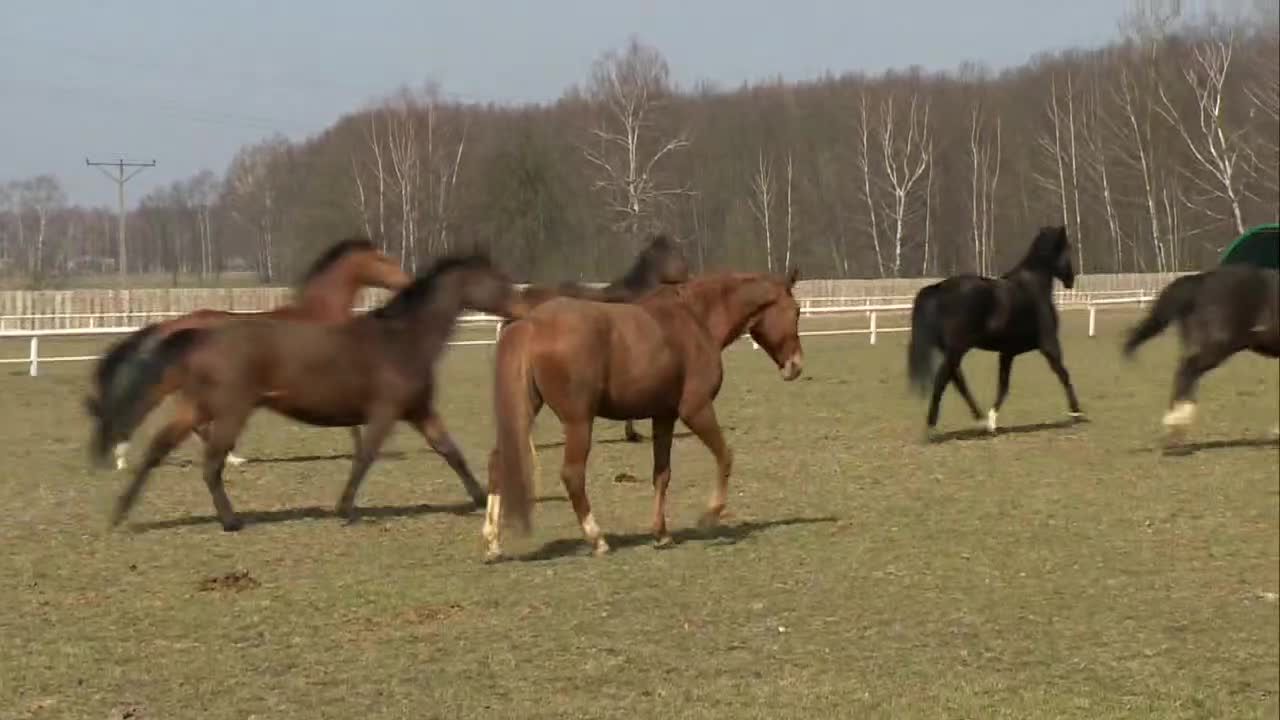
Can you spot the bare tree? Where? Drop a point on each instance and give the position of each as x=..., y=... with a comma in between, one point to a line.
x=1217, y=151
x=905, y=154
x=251, y=197
x=762, y=203
x=863, y=158
x=984, y=153
x=786, y=263
x=631, y=87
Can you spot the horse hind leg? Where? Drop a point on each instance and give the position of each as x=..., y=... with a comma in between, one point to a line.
x=663, y=429
x=577, y=446
x=629, y=432
x=1002, y=392
x=1182, y=408
x=433, y=429
x=121, y=451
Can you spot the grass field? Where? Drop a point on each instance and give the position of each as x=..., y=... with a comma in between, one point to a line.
x=1053, y=571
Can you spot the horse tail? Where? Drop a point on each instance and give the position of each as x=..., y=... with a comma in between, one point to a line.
x=124, y=399
x=513, y=408
x=922, y=355
x=1174, y=303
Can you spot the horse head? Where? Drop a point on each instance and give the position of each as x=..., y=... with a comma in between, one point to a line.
x=776, y=327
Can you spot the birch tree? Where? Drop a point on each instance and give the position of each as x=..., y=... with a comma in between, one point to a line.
x=762, y=203
x=905, y=152
x=1218, y=151
x=626, y=148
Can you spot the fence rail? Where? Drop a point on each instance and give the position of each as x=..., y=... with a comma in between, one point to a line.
x=851, y=307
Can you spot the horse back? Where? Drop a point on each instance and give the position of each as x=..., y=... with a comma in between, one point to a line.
x=995, y=314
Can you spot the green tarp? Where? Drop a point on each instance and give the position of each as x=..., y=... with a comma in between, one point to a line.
x=1259, y=246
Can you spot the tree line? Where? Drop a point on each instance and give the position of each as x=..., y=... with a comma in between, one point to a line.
x=1154, y=151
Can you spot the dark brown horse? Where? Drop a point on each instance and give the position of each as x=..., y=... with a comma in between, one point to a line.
x=325, y=295
x=1219, y=313
x=372, y=370
x=658, y=358
x=661, y=262
x=1010, y=315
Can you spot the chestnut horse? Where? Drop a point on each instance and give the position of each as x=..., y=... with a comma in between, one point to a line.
x=372, y=370
x=658, y=358
x=661, y=262
x=325, y=295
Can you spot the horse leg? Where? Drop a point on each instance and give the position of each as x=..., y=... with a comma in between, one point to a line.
x=371, y=442
x=663, y=429
x=492, y=530
x=577, y=445
x=220, y=438
x=169, y=437
x=432, y=428
x=1182, y=408
x=202, y=432
x=355, y=440
x=630, y=434
x=1053, y=355
x=704, y=424
x=1006, y=367
x=940, y=380
x=122, y=455
x=957, y=377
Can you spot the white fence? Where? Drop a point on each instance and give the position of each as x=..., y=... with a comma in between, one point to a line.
x=873, y=308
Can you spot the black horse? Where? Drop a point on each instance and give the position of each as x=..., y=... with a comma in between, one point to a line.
x=661, y=262
x=1219, y=313
x=1010, y=315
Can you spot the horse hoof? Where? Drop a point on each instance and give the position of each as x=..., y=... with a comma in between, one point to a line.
x=233, y=525
x=602, y=548
x=235, y=460
x=663, y=541
x=492, y=556
x=992, y=421
x=929, y=437
x=709, y=519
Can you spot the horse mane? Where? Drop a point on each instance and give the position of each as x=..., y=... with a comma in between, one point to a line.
x=1046, y=248
x=339, y=250
x=423, y=288
x=639, y=275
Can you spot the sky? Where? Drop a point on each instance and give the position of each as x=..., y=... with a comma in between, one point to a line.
x=187, y=84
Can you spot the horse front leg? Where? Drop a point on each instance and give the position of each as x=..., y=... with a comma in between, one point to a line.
x=1052, y=353
x=704, y=424
x=169, y=437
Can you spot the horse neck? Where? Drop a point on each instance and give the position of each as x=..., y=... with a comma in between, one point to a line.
x=329, y=296
x=1035, y=278
x=722, y=305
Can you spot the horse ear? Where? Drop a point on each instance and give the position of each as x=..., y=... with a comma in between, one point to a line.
x=792, y=277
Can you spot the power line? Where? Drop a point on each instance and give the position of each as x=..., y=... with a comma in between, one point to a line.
x=120, y=178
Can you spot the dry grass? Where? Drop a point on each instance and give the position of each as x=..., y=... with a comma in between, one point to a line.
x=1053, y=571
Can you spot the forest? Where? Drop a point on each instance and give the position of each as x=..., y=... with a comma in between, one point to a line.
x=1155, y=151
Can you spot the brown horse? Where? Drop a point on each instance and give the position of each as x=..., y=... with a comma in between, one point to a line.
x=656, y=358
x=661, y=262
x=325, y=295
x=372, y=370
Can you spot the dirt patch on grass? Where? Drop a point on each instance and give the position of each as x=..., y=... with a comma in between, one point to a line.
x=234, y=582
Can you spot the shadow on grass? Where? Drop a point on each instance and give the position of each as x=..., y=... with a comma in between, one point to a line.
x=718, y=535
x=1182, y=449
x=618, y=440
x=981, y=433
x=388, y=455
x=316, y=512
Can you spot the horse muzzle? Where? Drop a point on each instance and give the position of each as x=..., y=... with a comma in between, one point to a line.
x=792, y=367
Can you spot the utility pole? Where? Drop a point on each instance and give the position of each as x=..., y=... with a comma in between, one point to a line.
x=120, y=178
